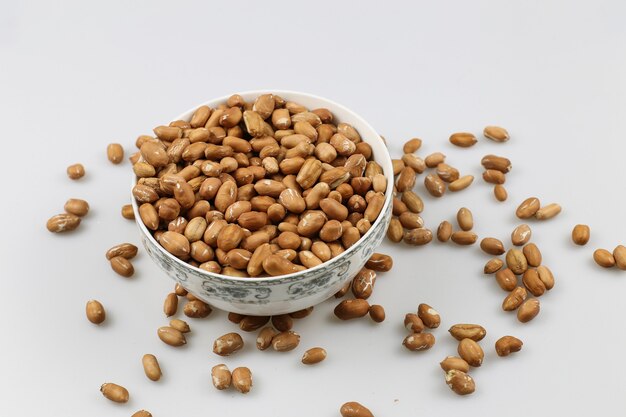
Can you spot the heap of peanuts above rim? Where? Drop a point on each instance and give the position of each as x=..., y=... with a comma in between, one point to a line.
x=257, y=189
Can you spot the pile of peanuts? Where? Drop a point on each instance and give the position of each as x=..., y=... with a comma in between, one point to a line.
x=261, y=188
x=269, y=188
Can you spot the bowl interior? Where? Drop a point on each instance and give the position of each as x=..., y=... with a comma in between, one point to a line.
x=341, y=114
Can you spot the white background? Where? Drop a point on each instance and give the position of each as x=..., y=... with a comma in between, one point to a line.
x=75, y=76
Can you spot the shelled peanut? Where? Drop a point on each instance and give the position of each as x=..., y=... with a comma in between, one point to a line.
x=257, y=189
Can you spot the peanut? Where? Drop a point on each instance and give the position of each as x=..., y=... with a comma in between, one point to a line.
x=76, y=171
x=151, y=367
x=515, y=298
x=532, y=254
x=500, y=192
x=377, y=313
x=496, y=133
x=516, y=261
x=521, y=235
x=619, y=254
x=507, y=345
x=264, y=338
x=180, y=325
x=125, y=250
x=65, y=222
x=170, y=305
x=528, y=310
x=95, y=312
x=197, y=309
x=548, y=212
x=351, y=309
x=444, y=231
x=115, y=153
x=465, y=219
x=604, y=258
x=493, y=266
x=127, y=212
x=429, y=316
x=471, y=352
x=114, y=392
x=77, y=207
x=434, y=185
x=528, y=208
x=464, y=238
x=492, y=246
x=122, y=266
x=418, y=237
x=499, y=163
x=580, y=234
x=354, y=409
x=379, y=262
x=242, y=379
x=171, y=336
x=419, y=341
x=413, y=323
x=468, y=331
x=313, y=356
x=461, y=183
x=221, y=376
x=463, y=139
x=412, y=145
x=454, y=362
x=460, y=382
x=227, y=344
x=285, y=341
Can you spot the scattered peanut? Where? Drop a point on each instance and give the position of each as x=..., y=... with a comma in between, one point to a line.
x=471, y=352
x=75, y=171
x=454, y=362
x=114, y=392
x=242, y=379
x=528, y=310
x=171, y=336
x=463, y=139
x=227, y=344
x=95, y=312
x=507, y=345
x=468, y=331
x=354, y=409
x=496, y=133
x=115, y=153
x=221, y=376
x=580, y=234
x=377, y=313
x=429, y=316
x=65, y=222
x=419, y=341
x=351, y=309
x=604, y=258
x=548, y=212
x=313, y=356
x=460, y=382
x=151, y=367
x=77, y=207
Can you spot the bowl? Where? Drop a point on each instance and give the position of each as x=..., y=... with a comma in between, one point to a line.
x=265, y=296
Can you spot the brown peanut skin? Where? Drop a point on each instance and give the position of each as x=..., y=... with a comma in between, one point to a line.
x=507, y=345
x=352, y=309
x=355, y=409
x=114, y=392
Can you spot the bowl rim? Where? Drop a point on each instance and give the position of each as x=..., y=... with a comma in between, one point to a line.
x=387, y=171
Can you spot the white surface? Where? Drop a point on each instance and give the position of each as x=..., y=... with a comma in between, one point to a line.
x=80, y=75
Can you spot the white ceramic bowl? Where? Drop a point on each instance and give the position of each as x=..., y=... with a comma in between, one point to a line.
x=286, y=293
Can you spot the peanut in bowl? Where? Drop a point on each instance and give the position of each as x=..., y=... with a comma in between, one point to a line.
x=263, y=203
